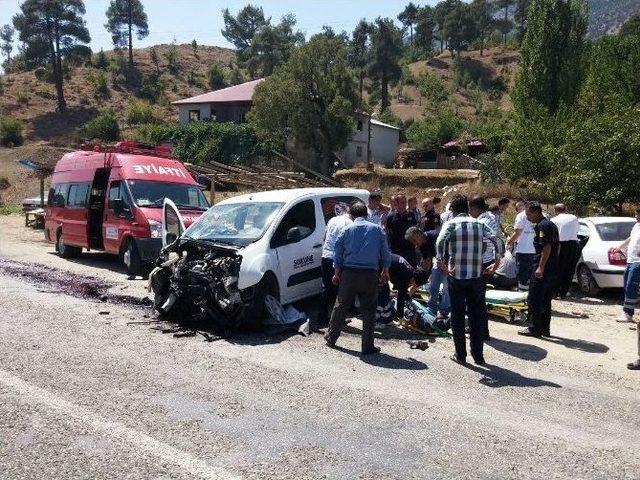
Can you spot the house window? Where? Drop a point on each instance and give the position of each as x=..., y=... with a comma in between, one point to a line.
x=358, y=151
x=214, y=116
x=194, y=115
x=360, y=125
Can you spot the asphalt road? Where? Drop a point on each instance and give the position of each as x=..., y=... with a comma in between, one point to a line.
x=85, y=394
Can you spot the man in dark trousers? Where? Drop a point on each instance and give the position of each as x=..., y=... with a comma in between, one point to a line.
x=462, y=239
x=361, y=252
x=568, y=226
x=545, y=272
x=398, y=222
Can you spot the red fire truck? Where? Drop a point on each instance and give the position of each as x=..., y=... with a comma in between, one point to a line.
x=111, y=200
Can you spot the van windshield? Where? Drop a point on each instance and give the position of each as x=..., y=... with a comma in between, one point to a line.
x=235, y=223
x=150, y=194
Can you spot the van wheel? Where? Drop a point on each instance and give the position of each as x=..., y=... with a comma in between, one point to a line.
x=66, y=251
x=130, y=258
x=586, y=282
x=256, y=311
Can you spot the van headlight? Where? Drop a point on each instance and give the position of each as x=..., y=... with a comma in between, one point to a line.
x=155, y=229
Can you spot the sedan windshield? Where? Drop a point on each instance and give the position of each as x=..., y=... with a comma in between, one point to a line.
x=615, y=231
x=235, y=223
x=152, y=194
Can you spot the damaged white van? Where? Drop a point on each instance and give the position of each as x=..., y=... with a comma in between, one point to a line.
x=221, y=268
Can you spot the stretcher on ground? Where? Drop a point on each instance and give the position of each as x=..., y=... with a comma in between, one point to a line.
x=511, y=306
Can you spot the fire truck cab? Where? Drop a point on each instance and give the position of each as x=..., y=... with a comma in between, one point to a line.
x=112, y=201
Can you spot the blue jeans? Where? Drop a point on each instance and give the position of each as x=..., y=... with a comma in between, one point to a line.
x=631, y=288
x=524, y=262
x=439, y=301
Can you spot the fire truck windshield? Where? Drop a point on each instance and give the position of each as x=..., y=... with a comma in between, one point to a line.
x=151, y=194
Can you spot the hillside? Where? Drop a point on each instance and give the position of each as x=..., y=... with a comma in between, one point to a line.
x=607, y=16
x=473, y=85
x=32, y=99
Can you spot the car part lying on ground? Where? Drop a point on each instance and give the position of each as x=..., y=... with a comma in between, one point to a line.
x=197, y=283
x=285, y=319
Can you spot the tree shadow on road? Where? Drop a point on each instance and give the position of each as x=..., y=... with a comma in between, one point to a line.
x=496, y=377
x=577, y=344
x=384, y=360
x=523, y=351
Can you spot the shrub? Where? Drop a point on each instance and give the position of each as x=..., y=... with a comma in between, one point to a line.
x=153, y=53
x=11, y=132
x=99, y=84
x=433, y=88
x=23, y=97
x=431, y=133
x=44, y=92
x=200, y=142
x=101, y=61
x=103, y=127
x=216, y=77
x=172, y=58
x=152, y=87
x=235, y=76
x=139, y=112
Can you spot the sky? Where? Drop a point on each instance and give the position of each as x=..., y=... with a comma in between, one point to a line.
x=184, y=20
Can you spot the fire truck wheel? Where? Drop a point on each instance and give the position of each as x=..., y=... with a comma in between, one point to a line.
x=131, y=258
x=66, y=251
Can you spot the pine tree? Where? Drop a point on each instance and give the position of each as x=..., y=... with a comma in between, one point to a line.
x=441, y=11
x=552, y=57
x=520, y=16
x=123, y=16
x=386, y=51
x=506, y=25
x=6, y=37
x=460, y=28
x=241, y=29
x=358, y=54
x=482, y=11
x=408, y=18
x=425, y=28
x=50, y=31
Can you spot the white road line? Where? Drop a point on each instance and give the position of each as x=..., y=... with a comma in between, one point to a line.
x=118, y=431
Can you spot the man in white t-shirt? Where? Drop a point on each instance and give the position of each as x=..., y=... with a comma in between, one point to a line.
x=522, y=238
x=569, y=248
x=631, y=248
x=335, y=226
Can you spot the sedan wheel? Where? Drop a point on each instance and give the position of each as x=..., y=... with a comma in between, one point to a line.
x=586, y=282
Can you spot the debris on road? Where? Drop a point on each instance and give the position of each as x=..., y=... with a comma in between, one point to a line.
x=199, y=283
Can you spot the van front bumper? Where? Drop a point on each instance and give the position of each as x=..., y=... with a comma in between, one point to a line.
x=149, y=248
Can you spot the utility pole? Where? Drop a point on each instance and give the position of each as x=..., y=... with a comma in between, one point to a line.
x=369, y=162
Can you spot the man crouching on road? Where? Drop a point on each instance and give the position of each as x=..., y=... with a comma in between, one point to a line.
x=360, y=253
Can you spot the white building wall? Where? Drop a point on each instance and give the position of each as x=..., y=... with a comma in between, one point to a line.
x=183, y=111
x=384, y=145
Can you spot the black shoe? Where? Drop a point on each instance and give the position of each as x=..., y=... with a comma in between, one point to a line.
x=459, y=361
x=479, y=360
x=330, y=343
x=546, y=334
x=634, y=365
x=527, y=332
x=371, y=351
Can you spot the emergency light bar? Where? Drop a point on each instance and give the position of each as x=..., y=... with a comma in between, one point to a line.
x=133, y=147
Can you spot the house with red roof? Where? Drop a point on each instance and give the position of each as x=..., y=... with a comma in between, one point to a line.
x=231, y=104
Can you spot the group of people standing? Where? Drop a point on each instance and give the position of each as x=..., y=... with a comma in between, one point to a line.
x=459, y=250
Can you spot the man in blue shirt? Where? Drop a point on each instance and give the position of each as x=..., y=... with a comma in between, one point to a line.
x=360, y=254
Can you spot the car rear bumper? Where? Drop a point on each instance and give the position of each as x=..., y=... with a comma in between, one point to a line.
x=148, y=248
x=609, y=276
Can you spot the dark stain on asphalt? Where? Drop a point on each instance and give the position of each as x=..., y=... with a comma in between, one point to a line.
x=63, y=281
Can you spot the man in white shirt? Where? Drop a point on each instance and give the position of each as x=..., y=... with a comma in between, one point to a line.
x=335, y=226
x=631, y=248
x=522, y=238
x=569, y=248
x=376, y=211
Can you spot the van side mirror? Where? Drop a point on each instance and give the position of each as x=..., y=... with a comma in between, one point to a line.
x=294, y=235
